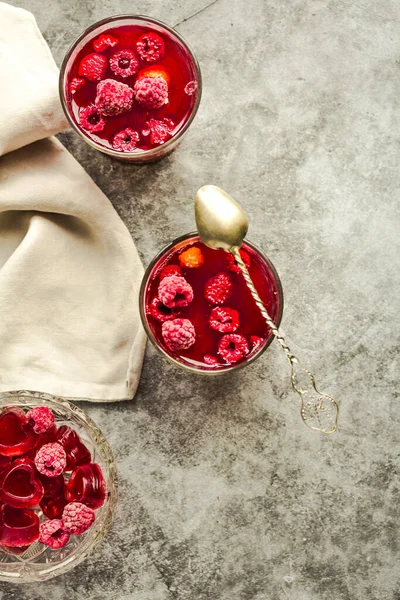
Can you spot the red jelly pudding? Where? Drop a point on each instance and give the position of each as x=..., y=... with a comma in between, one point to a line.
x=130, y=86
x=198, y=311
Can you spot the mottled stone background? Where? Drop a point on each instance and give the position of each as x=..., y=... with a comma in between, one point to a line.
x=225, y=495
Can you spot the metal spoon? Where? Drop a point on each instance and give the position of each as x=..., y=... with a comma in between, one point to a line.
x=222, y=224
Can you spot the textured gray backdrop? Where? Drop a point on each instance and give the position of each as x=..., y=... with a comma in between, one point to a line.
x=225, y=495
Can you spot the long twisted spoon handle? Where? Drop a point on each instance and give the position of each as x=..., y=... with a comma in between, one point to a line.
x=318, y=410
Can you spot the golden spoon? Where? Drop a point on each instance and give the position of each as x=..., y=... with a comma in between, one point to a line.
x=223, y=225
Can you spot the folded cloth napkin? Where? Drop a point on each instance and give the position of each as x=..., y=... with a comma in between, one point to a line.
x=69, y=270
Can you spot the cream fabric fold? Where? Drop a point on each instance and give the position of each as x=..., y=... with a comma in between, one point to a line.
x=69, y=270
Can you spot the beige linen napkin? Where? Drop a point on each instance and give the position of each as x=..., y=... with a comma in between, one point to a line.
x=69, y=271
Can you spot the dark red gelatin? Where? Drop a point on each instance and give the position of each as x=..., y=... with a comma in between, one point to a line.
x=16, y=437
x=181, y=77
x=199, y=310
x=52, y=486
x=20, y=485
x=53, y=507
x=19, y=527
x=87, y=485
x=75, y=449
x=4, y=462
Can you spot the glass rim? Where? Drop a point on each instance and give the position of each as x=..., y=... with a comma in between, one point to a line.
x=187, y=367
x=141, y=153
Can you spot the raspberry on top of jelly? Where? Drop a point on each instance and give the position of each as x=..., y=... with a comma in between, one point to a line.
x=222, y=325
x=131, y=78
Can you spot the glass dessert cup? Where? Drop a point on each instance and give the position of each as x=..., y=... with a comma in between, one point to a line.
x=250, y=323
x=175, y=62
x=39, y=562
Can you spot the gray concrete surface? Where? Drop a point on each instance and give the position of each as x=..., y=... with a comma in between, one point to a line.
x=225, y=495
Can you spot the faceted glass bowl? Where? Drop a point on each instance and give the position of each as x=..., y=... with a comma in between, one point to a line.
x=40, y=562
x=159, y=261
x=94, y=31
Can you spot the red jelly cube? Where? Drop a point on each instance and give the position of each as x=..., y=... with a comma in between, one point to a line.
x=53, y=486
x=75, y=449
x=19, y=484
x=19, y=527
x=87, y=485
x=53, y=507
x=16, y=437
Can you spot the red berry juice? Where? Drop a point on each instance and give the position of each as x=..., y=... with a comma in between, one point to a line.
x=252, y=326
x=141, y=127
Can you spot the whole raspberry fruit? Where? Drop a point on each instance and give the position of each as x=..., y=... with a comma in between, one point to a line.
x=232, y=264
x=170, y=270
x=93, y=66
x=225, y=320
x=76, y=84
x=126, y=140
x=91, y=119
x=210, y=360
x=40, y=419
x=53, y=534
x=77, y=518
x=256, y=341
x=151, y=92
x=160, y=312
x=178, y=334
x=124, y=63
x=175, y=291
x=232, y=347
x=51, y=460
x=150, y=47
x=113, y=97
x=104, y=41
x=159, y=130
x=191, y=258
x=218, y=289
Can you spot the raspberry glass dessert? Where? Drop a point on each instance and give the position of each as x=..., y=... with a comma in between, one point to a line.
x=130, y=86
x=58, y=486
x=197, y=310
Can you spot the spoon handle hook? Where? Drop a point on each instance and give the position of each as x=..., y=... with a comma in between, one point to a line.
x=318, y=410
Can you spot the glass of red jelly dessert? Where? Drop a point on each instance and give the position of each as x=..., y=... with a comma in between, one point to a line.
x=58, y=486
x=130, y=86
x=197, y=310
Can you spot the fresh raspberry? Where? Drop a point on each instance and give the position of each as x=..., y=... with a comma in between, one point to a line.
x=160, y=312
x=76, y=84
x=53, y=534
x=77, y=518
x=218, y=289
x=113, y=97
x=210, y=360
x=232, y=347
x=232, y=264
x=104, y=41
x=40, y=419
x=126, y=140
x=256, y=341
x=150, y=47
x=151, y=92
x=124, y=63
x=191, y=258
x=175, y=291
x=159, y=130
x=51, y=459
x=91, y=119
x=170, y=270
x=225, y=320
x=155, y=71
x=178, y=334
x=93, y=66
